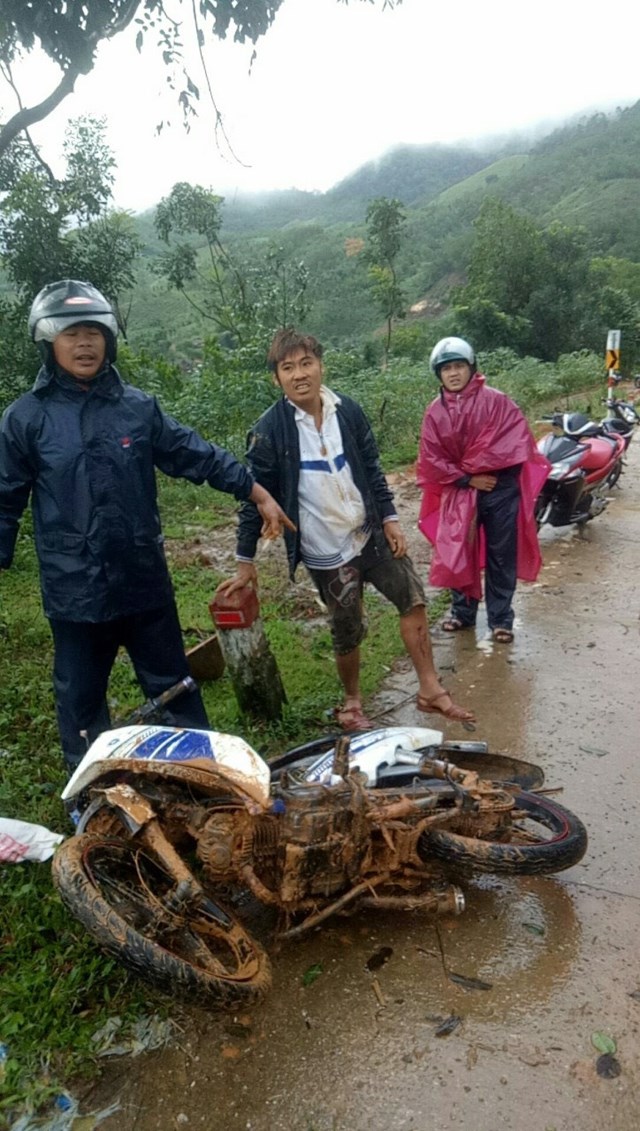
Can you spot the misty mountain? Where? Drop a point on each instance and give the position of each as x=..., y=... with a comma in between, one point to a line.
x=585, y=174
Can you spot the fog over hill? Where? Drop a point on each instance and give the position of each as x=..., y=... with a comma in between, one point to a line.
x=584, y=174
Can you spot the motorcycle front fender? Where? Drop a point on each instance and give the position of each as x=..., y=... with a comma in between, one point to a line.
x=565, y=500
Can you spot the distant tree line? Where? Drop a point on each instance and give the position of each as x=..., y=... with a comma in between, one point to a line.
x=539, y=291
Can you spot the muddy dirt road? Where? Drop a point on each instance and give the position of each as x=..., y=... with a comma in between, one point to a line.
x=560, y=955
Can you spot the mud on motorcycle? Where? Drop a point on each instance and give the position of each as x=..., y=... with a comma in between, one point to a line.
x=184, y=836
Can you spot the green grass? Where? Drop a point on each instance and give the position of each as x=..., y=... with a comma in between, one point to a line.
x=484, y=179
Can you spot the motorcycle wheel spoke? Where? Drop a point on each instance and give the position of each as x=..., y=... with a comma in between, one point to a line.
x=192, y=947
x=523, y=833
x=523, y=836
x=110, y=876
x=228, y=962
x=141, y=890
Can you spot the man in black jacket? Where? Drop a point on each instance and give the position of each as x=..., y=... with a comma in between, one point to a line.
x=315, y=453
x=85, y=446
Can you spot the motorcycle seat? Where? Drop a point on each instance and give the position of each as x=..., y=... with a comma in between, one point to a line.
x=622, y=427
x=578, y=425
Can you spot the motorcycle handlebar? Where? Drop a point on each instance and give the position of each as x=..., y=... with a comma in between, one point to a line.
x=146, y=710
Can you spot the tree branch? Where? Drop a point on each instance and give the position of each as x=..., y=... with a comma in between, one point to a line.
x=30, y=114
x=5, y=70
x=219, y=126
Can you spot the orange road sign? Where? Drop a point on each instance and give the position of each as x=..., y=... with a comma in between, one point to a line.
x=613, y=359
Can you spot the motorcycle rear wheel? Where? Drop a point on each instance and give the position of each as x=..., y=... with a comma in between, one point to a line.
x=127, y=902
x=525, y=852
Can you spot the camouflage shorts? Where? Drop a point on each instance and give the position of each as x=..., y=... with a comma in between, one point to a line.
x=341, y=590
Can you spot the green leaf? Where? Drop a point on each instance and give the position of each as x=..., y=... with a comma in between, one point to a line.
x=310, y=975
x=534, y=928
x=603, y=1043
x=469, y=983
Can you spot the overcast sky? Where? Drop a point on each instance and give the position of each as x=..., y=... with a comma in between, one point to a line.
x=335, y=86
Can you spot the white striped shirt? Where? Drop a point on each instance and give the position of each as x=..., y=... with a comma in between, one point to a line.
x=333, y=521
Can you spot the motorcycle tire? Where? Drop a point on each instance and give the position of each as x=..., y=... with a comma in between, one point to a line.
x=523, y=854
x=542, y=509
x=126, y=901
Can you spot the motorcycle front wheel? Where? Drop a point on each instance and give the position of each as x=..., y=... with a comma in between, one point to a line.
x=614, y=474
x=543, y=838
x=543, y=507
x=130, y=905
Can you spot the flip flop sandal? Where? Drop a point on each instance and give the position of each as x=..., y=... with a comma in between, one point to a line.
x=352, y=718
x=452, y=624
x=502, y=635
x=453, y=711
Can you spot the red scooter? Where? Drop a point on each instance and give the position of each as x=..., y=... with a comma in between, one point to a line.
x=586, y=464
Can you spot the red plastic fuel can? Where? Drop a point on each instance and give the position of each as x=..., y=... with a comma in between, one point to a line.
x=239, y=610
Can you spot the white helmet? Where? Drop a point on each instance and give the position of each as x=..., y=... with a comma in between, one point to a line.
x=451, y=349
x=66, y=303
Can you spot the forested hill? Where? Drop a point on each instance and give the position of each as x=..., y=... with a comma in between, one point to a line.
x=584, y=175
x=587, y=174
x=411, y=173
x=574, y=174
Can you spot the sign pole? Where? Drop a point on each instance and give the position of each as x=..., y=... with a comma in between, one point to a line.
x=612, y=365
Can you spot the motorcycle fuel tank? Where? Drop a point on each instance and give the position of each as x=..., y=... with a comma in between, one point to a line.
x=227, y=754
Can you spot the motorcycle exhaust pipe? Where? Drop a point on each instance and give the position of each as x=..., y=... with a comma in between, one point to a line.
x=448, y=902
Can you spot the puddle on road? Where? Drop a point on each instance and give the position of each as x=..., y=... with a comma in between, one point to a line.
x=519, y=936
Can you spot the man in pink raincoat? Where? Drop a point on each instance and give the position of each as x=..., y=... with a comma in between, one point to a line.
x=481, y=473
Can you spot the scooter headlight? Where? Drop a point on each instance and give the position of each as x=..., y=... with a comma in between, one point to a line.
x=563, y=469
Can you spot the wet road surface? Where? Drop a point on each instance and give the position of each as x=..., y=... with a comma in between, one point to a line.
x=357, y=1049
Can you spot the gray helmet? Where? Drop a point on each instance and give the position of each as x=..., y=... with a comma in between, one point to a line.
x=451, y=349
x=66, y=303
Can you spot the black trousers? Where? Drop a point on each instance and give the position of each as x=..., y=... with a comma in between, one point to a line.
x=498, y=514
x=84, y=654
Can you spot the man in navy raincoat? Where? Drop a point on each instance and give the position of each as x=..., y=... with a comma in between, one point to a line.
x=84, y=446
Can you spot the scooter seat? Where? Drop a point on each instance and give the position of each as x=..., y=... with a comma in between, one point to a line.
x=600, y=451
x=578, y=425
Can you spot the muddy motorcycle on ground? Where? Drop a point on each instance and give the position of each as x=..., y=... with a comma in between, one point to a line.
x=186, y=837
x=586, y=463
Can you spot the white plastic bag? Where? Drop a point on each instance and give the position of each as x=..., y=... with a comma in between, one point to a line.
x=65, y=1117
x=20, y=840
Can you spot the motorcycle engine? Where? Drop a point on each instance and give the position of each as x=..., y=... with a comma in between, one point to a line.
x=322, y=849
